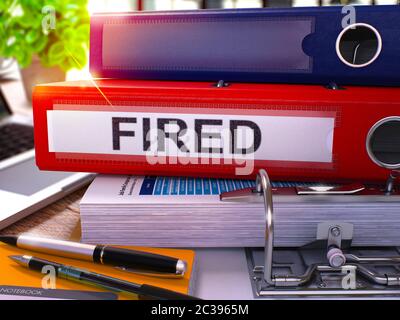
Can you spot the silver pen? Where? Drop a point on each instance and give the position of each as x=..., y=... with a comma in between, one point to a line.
x=128, y=260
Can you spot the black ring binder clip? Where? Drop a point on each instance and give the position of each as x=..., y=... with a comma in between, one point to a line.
x=332, y=270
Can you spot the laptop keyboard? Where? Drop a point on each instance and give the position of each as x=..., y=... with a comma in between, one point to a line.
x=15, y=139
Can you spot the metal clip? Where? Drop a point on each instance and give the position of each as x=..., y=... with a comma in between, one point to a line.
x=262, y=193
x=335, y=254
x=334, y=86
x=337, y=233
x=221, y=84
x=394, y=175
x=347, y=189
x=249, y=195
x=153, y=274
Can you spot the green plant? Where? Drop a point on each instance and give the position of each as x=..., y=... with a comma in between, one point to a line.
x=25, y=32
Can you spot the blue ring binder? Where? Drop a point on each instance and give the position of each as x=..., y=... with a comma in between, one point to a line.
x=288, y=45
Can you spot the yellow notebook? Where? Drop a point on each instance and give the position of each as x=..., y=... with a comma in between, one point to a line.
x=11, y=274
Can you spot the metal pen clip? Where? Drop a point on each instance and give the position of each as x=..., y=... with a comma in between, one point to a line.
x=177, y=275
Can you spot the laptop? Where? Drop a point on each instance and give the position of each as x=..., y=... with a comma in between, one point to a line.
x=25, y=189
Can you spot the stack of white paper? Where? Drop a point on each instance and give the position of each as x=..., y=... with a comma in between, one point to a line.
x=184, y=212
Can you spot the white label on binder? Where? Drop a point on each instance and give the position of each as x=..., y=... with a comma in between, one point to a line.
x=213, y=46
x=260, y=137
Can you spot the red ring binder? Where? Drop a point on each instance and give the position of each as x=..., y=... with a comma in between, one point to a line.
x=297, y=131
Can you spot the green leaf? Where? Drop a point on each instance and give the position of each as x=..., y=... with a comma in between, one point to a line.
x=82, y=34
x=32, y=36
x=24, y=23
x=69, y=34
x=24, y=59
x=40, y=44
x=79, y=56
x=56, y=52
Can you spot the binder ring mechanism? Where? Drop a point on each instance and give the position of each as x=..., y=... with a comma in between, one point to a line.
x=335, y=258
x=264, y=188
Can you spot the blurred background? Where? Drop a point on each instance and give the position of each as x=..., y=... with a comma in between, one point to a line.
x=48, y=40
x=107, y=5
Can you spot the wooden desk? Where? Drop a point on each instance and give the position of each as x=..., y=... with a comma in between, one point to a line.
x=60, y=220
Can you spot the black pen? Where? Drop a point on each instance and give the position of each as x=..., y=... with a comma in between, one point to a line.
x=129, y=260
x=144, y=291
